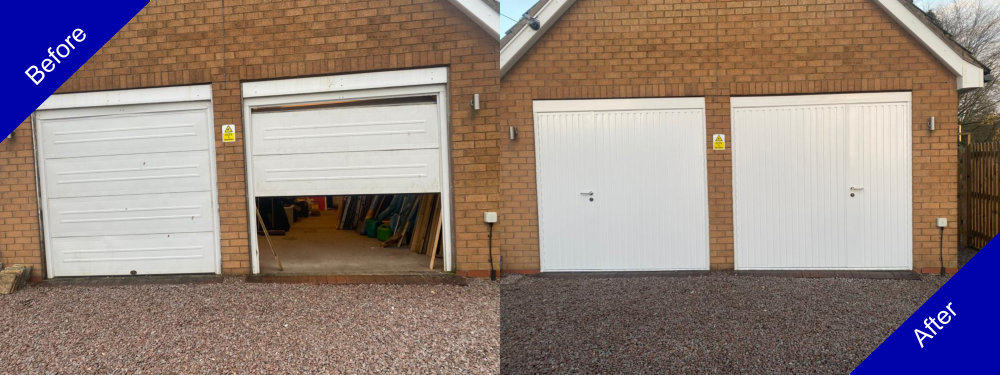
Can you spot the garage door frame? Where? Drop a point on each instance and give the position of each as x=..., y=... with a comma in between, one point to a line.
x=359, y=86
x=135, y=99
x=833, y=99
x=622, y=104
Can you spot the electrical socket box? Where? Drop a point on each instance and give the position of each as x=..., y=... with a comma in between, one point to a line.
x=490, y=217
x=942, y=222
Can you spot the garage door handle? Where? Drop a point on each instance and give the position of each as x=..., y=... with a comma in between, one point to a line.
x=587, y=193
x=856, y=188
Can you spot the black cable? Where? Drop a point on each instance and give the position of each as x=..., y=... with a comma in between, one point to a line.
x=493, y=273
x=941, y=250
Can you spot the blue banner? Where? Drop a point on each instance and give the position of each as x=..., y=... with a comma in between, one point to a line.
x=953, y=331
x=48, y=42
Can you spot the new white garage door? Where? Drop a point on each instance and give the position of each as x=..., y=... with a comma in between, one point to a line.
x=128, y=188
x=822, y=181
x=622, y=184
x=360, y=148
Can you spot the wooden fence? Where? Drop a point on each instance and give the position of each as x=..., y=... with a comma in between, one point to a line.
x=979, y=189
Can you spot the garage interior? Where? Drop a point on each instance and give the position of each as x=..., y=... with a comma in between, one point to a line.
x=350, y=234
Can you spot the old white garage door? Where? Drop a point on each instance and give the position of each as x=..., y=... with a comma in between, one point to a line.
x=128, y=182
x=822, y=181
x=622, y=184
x=358, y=147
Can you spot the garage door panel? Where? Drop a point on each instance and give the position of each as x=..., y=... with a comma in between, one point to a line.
x=122, y=134
x=145, y=254
x=647, y=171
x=131, y=214
x=392, y=127
x=128, y=174
x=373, y=172
x=795, y=161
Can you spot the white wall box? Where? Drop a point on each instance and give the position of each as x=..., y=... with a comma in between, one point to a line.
x=823, y=182
x=127, y=182
x=622, y=184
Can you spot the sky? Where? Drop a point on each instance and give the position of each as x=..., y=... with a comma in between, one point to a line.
x=515, y=8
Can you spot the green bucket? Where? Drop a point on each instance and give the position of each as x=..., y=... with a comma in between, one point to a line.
x=384, y=232
x=370, y=227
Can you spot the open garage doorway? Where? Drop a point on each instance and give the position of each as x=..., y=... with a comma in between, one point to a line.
x=333, y=162
x=353, y=234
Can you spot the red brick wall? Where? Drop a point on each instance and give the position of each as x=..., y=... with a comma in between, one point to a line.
x=224, y=43
x=718, y=49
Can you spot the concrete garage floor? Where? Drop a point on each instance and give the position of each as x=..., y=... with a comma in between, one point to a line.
x=235, y=327
x=315, y=247
x=715, y=324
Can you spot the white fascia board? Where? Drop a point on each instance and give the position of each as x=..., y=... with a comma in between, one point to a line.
x=820, y=99
x=172, y=94
x=525, y=37
x=484, y=15
x=969, y=75
x=346, y=82
x=633, y=104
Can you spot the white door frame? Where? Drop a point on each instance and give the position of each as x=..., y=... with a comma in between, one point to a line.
x=376, y=85
x=138, y=98
x=597, y=105
x=738, y=102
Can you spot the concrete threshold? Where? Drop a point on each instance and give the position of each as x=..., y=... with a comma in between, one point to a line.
x=388, y=279
x=879, y=275
x=133, y=280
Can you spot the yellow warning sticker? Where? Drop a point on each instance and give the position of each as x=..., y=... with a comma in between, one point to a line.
x=719, y=142
x=229, y=133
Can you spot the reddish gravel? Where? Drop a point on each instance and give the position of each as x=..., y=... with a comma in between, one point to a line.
x=718, y=324
x=237, y=327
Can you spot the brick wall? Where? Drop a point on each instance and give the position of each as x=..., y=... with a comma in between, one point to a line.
x=718, y=49
x=224, y=43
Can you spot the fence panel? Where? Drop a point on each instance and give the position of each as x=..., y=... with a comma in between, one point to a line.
x=980, y=189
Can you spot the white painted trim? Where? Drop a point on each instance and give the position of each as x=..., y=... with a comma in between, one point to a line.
x=173, y=94
x=823, y=99
x=374, y=90
x=969, y=75
x=345, y=82
x=482, y=14
x=636, y=104
x=524, y=38
x=94, y=100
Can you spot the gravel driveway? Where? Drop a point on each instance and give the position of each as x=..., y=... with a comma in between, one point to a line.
x=238, y=327
x=701, y=324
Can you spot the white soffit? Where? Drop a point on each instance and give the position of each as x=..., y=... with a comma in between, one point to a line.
x=345, y=82
x=129, y=97
x=969, y=74
x=525, y=37
x=483, y=14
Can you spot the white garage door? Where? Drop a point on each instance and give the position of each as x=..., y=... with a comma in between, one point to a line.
x=359, y=148
x=622, y=184
x=128, y=188
x=822, y=181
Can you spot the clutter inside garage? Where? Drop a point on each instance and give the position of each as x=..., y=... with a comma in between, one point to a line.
x=349, y=234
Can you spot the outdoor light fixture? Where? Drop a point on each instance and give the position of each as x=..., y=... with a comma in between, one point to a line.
x=513, y=133
x=475, y=102
x=930, y=124
x=532, y=22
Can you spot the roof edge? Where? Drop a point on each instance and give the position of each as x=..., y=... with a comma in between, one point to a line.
x=483, y=12
x=968, y=71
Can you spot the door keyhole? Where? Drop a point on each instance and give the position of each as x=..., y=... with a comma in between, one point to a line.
x=591, y=199
x=852, y=195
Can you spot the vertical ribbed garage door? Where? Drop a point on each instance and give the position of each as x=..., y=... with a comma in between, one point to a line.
x=622, y=184
x=822, y=182
x=128, y=188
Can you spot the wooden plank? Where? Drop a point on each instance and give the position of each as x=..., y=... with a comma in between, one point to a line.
x=418, y=241
x=436, y=235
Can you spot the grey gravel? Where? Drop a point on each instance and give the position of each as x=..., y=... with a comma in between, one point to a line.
x=237, y=327
x=705, y=324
